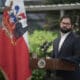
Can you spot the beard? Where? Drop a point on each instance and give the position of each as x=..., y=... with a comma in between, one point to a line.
x=65, y=30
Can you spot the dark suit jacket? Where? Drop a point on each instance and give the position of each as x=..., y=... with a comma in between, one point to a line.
x=70, y=49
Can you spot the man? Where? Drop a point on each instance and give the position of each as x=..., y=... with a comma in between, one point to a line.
x=67, y=47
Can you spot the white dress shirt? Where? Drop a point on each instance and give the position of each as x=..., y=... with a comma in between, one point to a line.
x=63, y=37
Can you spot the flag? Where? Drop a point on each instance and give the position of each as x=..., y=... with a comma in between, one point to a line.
x=14, y=51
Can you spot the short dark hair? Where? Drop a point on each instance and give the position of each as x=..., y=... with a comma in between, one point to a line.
x=66, y=16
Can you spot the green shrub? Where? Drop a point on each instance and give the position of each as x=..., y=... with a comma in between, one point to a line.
x=38, y=74
x=38, y=38
x=1, y=76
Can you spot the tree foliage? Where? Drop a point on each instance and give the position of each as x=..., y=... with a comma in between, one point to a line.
x=61, y=1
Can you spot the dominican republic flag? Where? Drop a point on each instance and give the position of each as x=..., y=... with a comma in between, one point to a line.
x=14, y=51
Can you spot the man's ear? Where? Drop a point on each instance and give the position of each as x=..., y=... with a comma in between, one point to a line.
x=72, y=27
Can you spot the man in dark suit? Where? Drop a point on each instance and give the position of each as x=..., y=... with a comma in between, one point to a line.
x=67, y=47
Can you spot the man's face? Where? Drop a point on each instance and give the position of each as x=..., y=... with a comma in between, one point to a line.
x=65, y=25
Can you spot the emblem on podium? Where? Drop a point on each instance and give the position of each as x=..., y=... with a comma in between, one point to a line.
x=41, y=63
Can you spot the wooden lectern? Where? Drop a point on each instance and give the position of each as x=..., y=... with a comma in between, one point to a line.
x=52, y=64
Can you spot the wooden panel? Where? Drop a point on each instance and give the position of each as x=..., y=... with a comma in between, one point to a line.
x=53, y=64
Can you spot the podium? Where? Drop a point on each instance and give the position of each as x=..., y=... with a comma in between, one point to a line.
x=51, y=64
